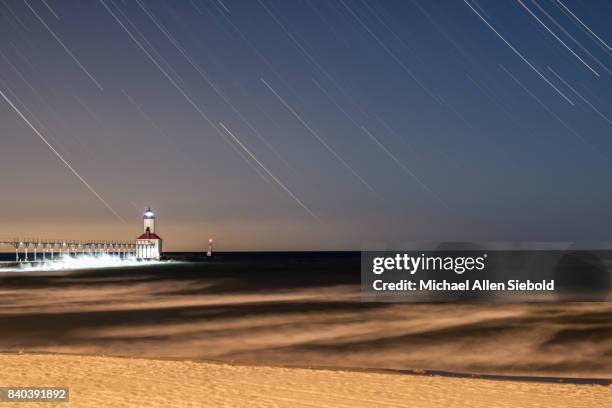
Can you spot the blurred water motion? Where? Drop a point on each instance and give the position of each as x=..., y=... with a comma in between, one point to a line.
x=292, y=309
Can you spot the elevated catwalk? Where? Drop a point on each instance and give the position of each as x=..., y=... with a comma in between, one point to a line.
x=38, y=249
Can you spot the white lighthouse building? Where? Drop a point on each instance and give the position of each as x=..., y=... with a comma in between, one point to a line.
x=149, y=245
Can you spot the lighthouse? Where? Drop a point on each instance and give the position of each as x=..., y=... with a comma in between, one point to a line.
x=149, y=244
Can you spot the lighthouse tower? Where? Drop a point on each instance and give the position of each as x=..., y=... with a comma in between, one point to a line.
x=149, y=244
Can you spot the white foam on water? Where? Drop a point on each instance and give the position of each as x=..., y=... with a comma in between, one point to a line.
x=81, y=261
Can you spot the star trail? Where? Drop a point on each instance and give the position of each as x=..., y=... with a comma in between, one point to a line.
x=316, y=124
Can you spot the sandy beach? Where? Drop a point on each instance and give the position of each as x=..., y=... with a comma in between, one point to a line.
x=125, y=382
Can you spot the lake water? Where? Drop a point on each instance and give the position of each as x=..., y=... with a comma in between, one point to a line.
x=299, y=309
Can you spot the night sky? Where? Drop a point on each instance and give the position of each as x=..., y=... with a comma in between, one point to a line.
x=287, y=125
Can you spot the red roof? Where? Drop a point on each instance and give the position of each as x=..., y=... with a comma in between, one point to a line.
x=151, y=236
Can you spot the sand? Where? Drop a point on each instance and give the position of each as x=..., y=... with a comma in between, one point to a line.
x=127, y=382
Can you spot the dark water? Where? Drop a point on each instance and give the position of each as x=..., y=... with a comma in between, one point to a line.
x=291, y=309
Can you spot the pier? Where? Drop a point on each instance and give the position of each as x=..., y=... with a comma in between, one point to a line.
x=40, y=250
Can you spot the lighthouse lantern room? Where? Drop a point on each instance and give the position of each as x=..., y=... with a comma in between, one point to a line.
x=149, y=244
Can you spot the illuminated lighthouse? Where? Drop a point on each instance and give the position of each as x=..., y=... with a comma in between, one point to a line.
x=149, y=245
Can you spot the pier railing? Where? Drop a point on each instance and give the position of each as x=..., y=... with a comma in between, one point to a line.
x=43, y=249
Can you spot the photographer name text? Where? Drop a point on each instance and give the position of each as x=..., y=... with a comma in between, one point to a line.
x=466, y=285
